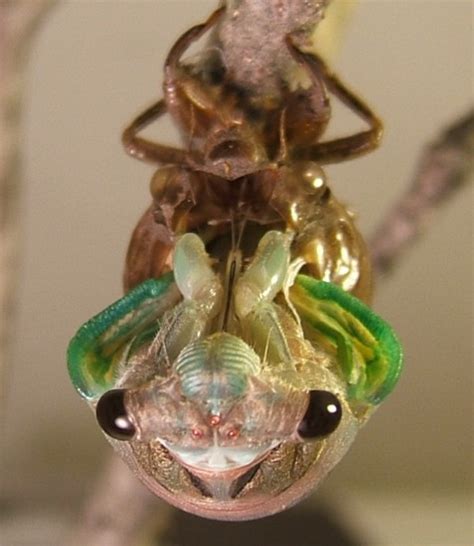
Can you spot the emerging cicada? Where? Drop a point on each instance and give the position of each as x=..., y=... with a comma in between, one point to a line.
x=240, y=365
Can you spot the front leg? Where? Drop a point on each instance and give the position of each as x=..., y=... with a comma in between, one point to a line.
x=189, y=101
x=263, y=324
x=274, y=330
x=100, y=352
x=149, y=251
x=343, y=148
x=146, y=150
x=326, y=237
x=183, y=201
x=202, y=293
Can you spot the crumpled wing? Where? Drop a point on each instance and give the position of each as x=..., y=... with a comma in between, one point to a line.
x=101, y=346
x=365, y=346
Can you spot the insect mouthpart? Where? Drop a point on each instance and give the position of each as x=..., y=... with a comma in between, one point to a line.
x=218, y=458
x=223, y=486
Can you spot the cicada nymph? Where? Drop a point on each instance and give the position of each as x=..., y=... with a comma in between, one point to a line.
x=237, y=370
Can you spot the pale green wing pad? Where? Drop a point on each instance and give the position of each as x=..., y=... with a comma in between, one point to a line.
x=97, y=350
x=367, y=348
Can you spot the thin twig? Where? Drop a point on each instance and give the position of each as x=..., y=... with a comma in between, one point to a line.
x=444, y=167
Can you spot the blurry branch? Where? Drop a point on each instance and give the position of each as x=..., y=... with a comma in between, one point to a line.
x=444, y=167
x=115, y=513
x=18, y=21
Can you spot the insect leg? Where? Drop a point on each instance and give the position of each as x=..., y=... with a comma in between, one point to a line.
x=185, y=40
x=326, y=237
x=188, y=98
x=265, y=275
x=346, y=147
x=144, y=149
x=254, y=294
x=149, y=250
x=202, y=292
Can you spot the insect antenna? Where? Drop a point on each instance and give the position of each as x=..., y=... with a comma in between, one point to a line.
x=242, y=226
x=166, y=355
x=283, y=148
x=232, y=232
x=267, y=344
x=244, y=219
x=233, y=266
x=192, y=128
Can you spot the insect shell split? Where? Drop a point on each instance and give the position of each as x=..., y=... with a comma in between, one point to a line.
x=234, y=424
x=232, y=395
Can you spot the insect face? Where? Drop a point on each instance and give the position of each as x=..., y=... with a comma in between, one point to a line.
x=238, y=480
x=211, y=438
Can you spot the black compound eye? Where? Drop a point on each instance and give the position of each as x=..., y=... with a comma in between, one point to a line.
x=112, y=415
x=322, y=416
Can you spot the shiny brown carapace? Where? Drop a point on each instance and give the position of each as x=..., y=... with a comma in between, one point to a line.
x=248, y=158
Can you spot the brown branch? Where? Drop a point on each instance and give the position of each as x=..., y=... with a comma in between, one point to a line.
x=251, y=39
x=444, y=167
x=18, y=21
x=115, y=512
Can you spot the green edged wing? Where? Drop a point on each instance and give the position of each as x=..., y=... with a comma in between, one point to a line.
x=101, y=346
x=367, y=348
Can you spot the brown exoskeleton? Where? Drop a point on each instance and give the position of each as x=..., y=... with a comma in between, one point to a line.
x=234, y=384
x=251, y=157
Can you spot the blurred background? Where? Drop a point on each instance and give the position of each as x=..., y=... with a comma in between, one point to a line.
x=94, y=64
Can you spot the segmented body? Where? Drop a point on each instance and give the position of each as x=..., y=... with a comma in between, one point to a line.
x=236, y=372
